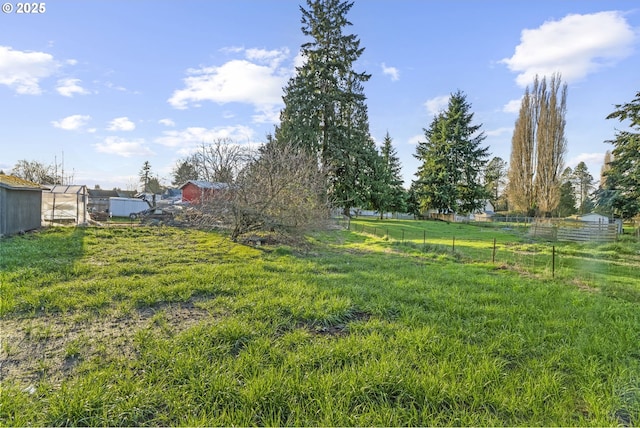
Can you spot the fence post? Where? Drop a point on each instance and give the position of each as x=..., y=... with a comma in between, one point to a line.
x=553, y=263
x=493, y=257
x=453, y=247
x=403, y=236
x=424, y=237
x=387, y=233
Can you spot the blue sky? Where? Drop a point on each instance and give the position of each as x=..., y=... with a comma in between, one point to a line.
x=112, y=84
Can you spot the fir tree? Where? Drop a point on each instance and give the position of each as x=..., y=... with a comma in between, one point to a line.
x=622, y=187
x=325, y=110
x=184, y=171
x=389, y=194
x=448, y=180
x=567, y=203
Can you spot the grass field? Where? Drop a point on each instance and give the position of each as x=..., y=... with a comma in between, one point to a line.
x=163, y=326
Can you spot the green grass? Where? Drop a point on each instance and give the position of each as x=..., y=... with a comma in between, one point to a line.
x=163, y=326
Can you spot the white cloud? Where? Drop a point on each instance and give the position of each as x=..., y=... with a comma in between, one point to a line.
x=512, y=106
x=593, y=161
x=437, y=104
x=416, y=139
x=23, y=70
x=68, y=87
x=498, y=132
x=574, y=46
x=123, y=147
x=72, y=123
x=187, y=139
x=121, y=124
x=167, y=122
x=273, y=57
x=393, y=72
x=257, y=80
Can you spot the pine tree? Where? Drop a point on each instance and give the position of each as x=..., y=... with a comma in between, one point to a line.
x=604, y=196
x=389, y=194
x=145, y=176
x=567, y=202
x=325, y=110
x=583, y=187
x=494, y=179
x=448, y=180
x=623, y=176
x=184, y=171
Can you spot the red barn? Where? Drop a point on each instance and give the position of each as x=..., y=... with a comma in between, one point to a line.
x=197, y=192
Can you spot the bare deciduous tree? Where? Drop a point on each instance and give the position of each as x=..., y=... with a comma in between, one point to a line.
x=281, y=189
x=538, y=148
x=220, y=161
x=36, y=172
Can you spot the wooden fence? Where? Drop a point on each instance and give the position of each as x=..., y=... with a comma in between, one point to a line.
x=575, y=231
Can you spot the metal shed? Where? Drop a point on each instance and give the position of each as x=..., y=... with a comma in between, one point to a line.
x=20, y=205
x=65, y=204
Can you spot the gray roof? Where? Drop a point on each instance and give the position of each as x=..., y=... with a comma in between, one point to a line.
x=207, y=184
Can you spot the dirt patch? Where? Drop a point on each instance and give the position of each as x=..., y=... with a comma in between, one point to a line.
x=53, y=346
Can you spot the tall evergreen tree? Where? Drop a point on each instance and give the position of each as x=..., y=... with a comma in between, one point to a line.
x=583, y=182
x=449, y=178
x=495, y=178
x=623, y=176
x=390, y=193
x=184, y=171
x=145, y=176
x=325, y=110
x=538, y=148
x=604, y=196
x=567, y=203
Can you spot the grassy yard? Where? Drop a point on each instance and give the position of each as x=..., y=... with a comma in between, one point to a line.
x=163, y=326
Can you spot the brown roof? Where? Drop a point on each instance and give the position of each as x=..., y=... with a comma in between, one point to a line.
x=12, y=182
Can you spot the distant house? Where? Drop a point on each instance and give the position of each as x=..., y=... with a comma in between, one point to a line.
x=594, y=218
x=20, y=205
x=65, y=204
x=99, y=198
x=197, y=191
x=483, y=214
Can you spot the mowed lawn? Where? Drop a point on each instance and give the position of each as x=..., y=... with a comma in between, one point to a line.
x=163, y=326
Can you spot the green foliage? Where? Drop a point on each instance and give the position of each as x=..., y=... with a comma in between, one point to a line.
x=495, y=174
x=183, y=172
x=388, y=193
x=622, y=187
x=567, y=203
x=448, y=179
x=325, y=110
x=145, y=176
x=584, y=187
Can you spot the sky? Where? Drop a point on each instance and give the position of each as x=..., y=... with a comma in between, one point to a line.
x=103, y=86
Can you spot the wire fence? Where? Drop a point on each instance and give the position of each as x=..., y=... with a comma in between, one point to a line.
x=542, y=259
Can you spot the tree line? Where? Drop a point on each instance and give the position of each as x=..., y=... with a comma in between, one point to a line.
x=322, y=155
